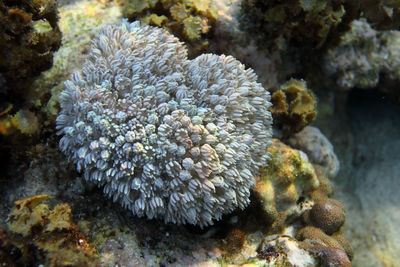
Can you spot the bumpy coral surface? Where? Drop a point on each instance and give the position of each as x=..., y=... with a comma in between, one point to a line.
x=294, y=106
x=332, y=250
x=288, y=177
x=167, y=137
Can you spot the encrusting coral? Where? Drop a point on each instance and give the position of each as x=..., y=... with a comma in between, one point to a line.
x=189, y=20
x=294, y=106
x=288, y=177
x=48, y=236
x=167, y=137
x=24, y=121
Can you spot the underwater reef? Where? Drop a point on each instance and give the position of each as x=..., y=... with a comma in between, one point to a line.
x=198, y=133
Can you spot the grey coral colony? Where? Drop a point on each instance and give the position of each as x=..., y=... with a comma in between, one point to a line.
x=165, y=136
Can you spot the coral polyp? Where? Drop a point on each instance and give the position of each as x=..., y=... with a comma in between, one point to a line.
x=165, y=136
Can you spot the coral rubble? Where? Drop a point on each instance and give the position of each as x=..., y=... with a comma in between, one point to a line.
x=167, y=137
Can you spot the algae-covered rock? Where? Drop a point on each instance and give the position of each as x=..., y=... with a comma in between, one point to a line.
x=51, y=236
x=308, y=22
x=288, y=177
x=282, y=250
x=25, y=50
x=366, y=58
x=294, y=106
x=319, y=150
x=189, y=20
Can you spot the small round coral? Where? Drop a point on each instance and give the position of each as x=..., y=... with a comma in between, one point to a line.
x=332, y=256
x=328, y=214
x=332, y=249
x=167, y=137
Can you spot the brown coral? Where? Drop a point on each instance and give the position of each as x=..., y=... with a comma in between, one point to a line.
x=328, y=215
x=294, y=106
x=234, y=241
x=327, y=247
x=189, y=20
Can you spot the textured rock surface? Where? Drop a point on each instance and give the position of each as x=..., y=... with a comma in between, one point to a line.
x=167, y=137
x=288, y=177
x=48, y=235
x=317, y=147
x=364, y=58
x=25, y=50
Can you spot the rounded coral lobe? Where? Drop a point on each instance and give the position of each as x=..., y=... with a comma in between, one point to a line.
x=165, y=136
x=328, y=214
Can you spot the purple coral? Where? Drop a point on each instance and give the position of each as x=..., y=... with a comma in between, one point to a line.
x=165, y=136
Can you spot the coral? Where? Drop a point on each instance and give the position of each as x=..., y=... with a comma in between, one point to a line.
x=26, y=51
x=317, y=147
x=326, y=247
x=18, y=126
x=189, y=20
x=234, y=241
x=294, y=106
x=328, y=215
x=288, y=177
x=28, y=214
x=344, y=244
x=167, y=137
x=49, y=233
x=366, y=58
x=303, y=21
